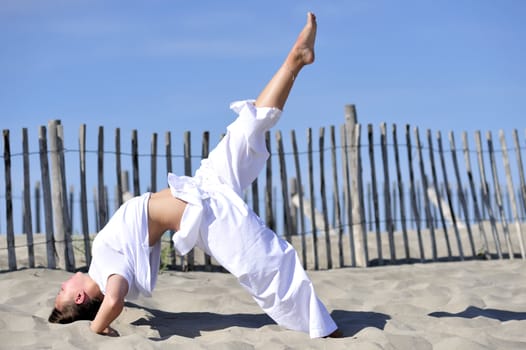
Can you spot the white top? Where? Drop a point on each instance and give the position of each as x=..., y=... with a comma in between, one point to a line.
x=122, y=248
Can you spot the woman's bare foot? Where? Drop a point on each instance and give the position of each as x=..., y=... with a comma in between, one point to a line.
x=277, y=90
x=302, y=52
x=336, y=334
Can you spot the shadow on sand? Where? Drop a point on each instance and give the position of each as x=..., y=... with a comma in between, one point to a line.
x=191, y=324
x=473, y=311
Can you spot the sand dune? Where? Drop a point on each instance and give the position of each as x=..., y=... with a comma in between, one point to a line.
x=475, y=304
x=463, y=305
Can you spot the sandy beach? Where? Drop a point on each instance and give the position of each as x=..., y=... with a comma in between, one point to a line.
x=455, y=305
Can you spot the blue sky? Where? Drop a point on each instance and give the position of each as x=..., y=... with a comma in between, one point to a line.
x=158, y=65
x=161, y=66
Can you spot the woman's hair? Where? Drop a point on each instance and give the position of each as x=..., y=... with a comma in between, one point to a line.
x=76, y=312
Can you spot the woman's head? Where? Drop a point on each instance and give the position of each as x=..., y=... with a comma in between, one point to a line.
x=78, y=299
x=75, y=312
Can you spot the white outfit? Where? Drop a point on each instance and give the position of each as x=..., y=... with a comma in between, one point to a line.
x=121, y=248
x=218, y=221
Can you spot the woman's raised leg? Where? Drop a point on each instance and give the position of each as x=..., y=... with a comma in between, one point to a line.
x=276, y=92
x=230, y=159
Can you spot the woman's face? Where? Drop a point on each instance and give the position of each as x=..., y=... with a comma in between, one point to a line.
x=71, y=290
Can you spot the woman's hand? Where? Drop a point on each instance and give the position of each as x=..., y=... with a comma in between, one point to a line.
x=110, y=332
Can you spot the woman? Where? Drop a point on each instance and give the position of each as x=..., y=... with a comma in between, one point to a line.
x=207, y=211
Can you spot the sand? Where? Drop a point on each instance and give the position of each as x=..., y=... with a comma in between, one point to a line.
x=475, y=304
x=453, y=305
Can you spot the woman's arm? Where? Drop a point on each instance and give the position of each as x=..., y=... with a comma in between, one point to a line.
x=112, y=305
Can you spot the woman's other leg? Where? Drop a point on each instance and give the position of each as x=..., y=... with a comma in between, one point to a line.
x=276, y=92
x=242, y=153
x=267, y=267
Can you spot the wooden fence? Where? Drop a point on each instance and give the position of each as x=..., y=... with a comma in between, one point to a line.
x=357, y=197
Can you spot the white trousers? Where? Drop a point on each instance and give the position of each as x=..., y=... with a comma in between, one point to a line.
x=265, y=265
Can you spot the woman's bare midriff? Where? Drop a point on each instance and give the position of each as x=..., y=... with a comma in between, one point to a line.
x=164, y=213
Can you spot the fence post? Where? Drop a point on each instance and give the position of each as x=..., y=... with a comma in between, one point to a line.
x=312, y=199
x=71, y=207
x=429, y=215
x=59, y=197
x=103, y=217
x=269, y=214
x=188, y=172
x=511, y=191
x=355, y=172
x=205, y=149
x=37, y=207
x=27, y=201
x=375, y=194
x=449, y=196
x=299, y=193
x=118, y=168
x=387, y=198
x=498, y=194
x=478, y=215
x=153, y=164
x=438, y=195
x=486, y=204
x=46, y=195
x=347, y=191
x=522, y=190
x=400, y=193
x=9, y=203
x=168, y=151
x=70, y=254
x=324, y=199
x=394, y=194
x=287, y=217
x=135, y=163
x=83, y=194
x=96, y=209
x=336, y=194
x=461, y=197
